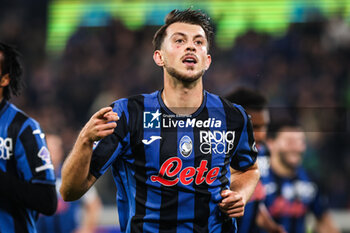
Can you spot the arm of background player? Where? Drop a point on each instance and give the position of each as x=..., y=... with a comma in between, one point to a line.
x=242, y=186
x=326, y=224
x=38, y=197
x=265, y=221
x=91, y=212
x=76, y=179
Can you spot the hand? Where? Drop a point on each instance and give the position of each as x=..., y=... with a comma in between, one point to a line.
x=279, y=229
x=232, y=204
x=100, y=125
x=84, y=230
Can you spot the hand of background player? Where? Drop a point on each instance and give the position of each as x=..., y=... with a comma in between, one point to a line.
x=100, y=125
x=232, y=203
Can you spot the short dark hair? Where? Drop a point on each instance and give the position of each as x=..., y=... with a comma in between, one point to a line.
x=10, y=65
x=249, y=98
x=278, y=125
x=190, y=16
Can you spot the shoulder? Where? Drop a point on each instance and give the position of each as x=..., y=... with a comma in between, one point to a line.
x=21, y=118
x=133, y=107
x=134, y=100
x=215, y=100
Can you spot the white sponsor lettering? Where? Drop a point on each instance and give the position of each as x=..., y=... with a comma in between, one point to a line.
x=6, y=148
x=44, y=167
x=218, y=142
x=264, y=165
x=302, y=190
x=209, y=123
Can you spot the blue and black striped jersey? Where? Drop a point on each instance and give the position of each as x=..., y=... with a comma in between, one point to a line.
x=290, y=199
x=66, y=217
x=23, y=154
x=170, y=169
x=247, y=223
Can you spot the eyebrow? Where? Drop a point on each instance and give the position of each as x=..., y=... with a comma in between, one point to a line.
x=182, y=34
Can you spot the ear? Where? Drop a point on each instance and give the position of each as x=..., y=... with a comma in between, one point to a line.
x=158, y=58
x=208, y=62
x=5, y=80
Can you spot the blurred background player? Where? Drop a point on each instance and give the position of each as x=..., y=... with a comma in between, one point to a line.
x=290, y=192
x=255, y=105
x=79, y=216
x=27, y=180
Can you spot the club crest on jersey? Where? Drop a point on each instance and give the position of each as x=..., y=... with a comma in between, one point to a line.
x=151, y=119
x=44, y=154
x=185, y=146
x=6, y=148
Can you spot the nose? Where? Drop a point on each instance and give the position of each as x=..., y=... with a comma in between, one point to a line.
x=190, y=47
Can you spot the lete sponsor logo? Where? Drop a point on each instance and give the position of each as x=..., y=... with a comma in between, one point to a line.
x=170, y=173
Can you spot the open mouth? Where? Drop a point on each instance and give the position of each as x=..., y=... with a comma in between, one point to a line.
x=190, y=60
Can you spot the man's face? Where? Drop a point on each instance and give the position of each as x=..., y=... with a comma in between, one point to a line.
x=290, y=146
x=184, y=52
x=260, y=121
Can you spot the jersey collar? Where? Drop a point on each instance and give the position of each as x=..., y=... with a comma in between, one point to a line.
x=195, y=114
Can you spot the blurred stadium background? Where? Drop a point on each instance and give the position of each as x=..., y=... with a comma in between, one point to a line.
x=81, y=55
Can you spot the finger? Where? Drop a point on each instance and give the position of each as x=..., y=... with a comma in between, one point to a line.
x=111, y=116
x=225, y=193
x=232, y=198
x=226, y=204
x=229, y=206
x=234, y=211
x=237, y=215
x=105, y=129
x=106, y=126
x=100, y=114
x=105, y=133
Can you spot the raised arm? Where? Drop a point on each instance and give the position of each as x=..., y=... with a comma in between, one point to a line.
x=76, y=179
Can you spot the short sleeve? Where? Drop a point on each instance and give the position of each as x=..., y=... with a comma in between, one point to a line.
x=246, y=153
x=32, y=156
x=107, y=150
x=320, y=205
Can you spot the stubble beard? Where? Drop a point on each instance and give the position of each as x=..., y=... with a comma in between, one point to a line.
x=285, y=162
x=187, y=80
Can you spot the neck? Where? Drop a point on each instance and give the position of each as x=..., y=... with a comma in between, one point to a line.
x=182, y=98
x=280, y=169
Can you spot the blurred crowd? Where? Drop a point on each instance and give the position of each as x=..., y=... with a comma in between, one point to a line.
x=304, y=73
